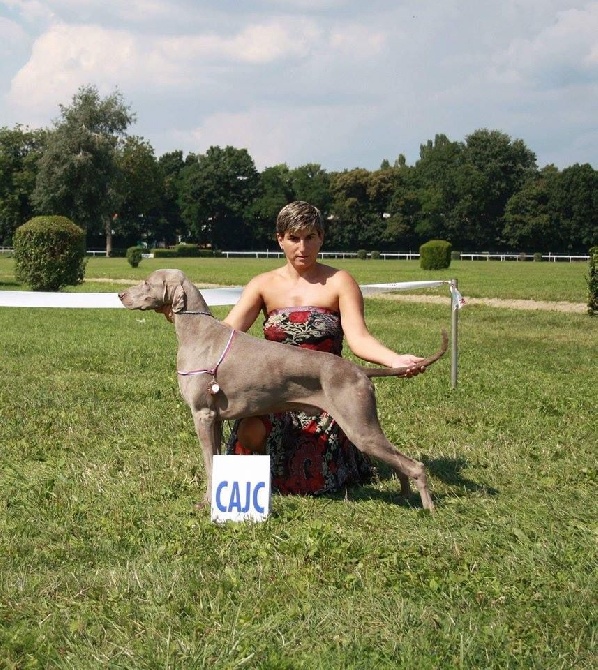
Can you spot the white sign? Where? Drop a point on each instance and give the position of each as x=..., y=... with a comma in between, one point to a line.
x=241, y=488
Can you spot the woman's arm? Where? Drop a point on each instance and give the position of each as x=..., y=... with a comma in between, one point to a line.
x=247, y=309
x=359, y=339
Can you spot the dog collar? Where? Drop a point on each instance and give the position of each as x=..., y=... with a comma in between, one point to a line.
x=210, y=371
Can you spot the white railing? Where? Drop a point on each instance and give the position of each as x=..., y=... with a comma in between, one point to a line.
x=411, y=255
x=521, y=257
x=400, y=255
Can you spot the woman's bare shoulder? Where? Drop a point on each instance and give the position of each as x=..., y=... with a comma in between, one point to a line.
x=340, y=278
x=264, y=279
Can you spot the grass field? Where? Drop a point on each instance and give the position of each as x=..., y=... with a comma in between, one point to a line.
x=105, y=562
x=492, y=279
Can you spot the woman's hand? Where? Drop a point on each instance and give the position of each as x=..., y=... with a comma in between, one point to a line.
x=413, y=363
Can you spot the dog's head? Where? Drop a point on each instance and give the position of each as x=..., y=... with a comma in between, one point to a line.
x=162, y=291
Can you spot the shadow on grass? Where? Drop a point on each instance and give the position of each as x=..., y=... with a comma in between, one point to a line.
x=449, y=471
x=361, y=493
x=11, y=284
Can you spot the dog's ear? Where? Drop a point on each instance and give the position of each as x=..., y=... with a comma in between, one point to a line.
x=179, y=299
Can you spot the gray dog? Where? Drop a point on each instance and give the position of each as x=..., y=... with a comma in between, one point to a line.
x=225, y=374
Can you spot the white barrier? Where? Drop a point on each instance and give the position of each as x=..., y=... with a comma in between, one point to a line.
x=224, y=296
x=219, y=296
x=241, y=488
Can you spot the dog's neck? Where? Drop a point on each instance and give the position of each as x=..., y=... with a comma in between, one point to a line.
x=193, y=316
x=195, y=303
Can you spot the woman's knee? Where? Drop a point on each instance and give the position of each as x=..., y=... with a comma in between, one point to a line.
x=252, y=434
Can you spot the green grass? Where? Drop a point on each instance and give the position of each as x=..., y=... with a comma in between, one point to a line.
x=490, y=279
x=105, y=562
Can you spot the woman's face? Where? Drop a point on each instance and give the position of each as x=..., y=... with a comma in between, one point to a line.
x=301, y=247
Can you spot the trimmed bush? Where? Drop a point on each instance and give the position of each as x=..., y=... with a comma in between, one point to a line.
x=592, y=279
x=538, y=257
x=455, y=255
x=362, y=254
x=187, y=250
x=164, y=253
x=435, y=255
x=375, y=255
x=134, y=256
x=49, y=253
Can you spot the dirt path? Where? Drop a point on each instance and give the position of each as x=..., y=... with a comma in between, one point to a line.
x=573, y=307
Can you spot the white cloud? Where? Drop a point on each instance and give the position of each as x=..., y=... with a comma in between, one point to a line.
x=67, y=57
x=561, y=54
x=11, y=35
x=30, y=11
x=296, y=136
x=340, y=82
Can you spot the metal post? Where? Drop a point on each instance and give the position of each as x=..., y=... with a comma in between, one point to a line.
x=454, y=334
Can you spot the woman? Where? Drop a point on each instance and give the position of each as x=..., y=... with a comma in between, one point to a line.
x=311, y=305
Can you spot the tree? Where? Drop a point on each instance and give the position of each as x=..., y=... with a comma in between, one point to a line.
x=495, y=168
x=311, y=183
x=464, y=187
x=78, y=172
x=355, y=222
x=216, y=191
x=404, y=208
x=530, y=221
x=170, y=227
x=20, y=151
x=435, y=178
x=576, y=198
x=141, y=188
x=275, y=191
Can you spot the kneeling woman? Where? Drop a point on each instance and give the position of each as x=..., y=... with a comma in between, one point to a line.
x=314, y=306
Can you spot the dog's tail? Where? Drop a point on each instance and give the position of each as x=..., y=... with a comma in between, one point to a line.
x=404, y=372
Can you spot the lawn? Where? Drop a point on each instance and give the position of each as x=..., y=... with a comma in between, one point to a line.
x=477, y=279
x=106, y=563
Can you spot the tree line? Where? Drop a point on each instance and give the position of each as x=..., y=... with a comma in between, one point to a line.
x=483, y=193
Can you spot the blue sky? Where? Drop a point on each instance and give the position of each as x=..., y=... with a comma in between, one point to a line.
x=342, y=83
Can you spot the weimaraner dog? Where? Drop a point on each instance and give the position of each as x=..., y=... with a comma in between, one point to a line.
x=225, y=374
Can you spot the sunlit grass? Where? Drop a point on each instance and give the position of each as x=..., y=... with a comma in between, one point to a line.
x=105, y=562
x=490, y=279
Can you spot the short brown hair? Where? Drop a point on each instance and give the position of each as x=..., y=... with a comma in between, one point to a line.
x=299, y=215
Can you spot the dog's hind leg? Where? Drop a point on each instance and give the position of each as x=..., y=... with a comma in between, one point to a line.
x=359, y=421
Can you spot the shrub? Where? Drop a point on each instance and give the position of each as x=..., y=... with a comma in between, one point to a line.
x=187, y=250
x=522, y=256
x=134, y=256
x=455, y=255
x=164, y=253
x=592, y=279
x=49, y=253
x=362, y=253
x=435, y=255
x=538, y=257
x=375, y=255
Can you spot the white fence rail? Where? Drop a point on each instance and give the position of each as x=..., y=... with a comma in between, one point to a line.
x=411, y=255
x=399, y=255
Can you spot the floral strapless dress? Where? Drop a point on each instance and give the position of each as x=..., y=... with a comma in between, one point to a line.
x=309, y=454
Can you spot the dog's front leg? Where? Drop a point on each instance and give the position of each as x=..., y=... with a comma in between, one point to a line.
x=209, y=433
